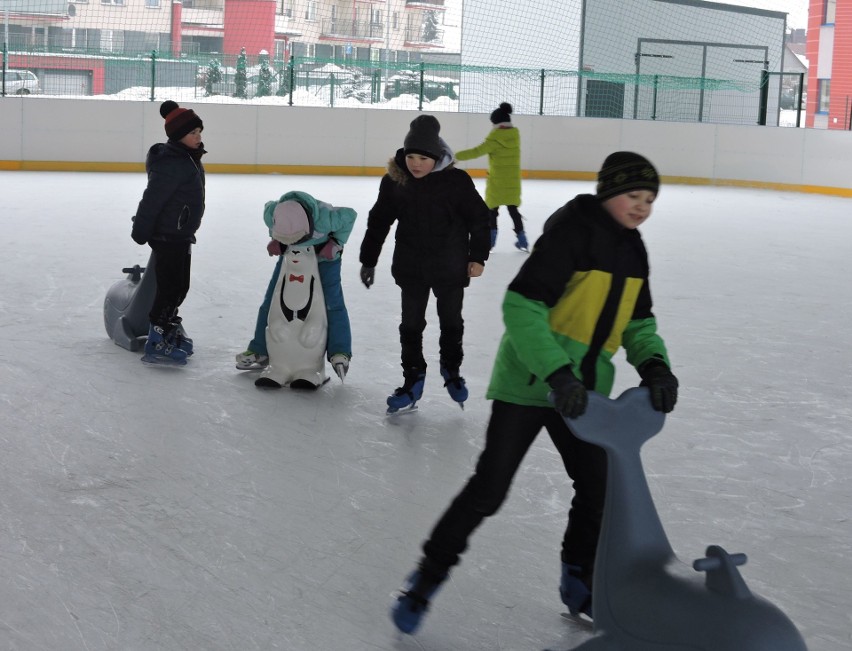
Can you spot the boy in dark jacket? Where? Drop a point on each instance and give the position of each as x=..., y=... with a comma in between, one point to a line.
x=167, y=218
x=442, y=241
x=581, y=295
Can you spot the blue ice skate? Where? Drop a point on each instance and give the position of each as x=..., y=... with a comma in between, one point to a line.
x=179, y=337
x=643, y=597
x=455, y=385
x=405, y=397
x=160, y=350
x=409, y=609
x=574, y=590
x=521, y=244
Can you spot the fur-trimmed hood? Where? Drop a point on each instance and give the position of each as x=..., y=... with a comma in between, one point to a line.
x=398, y=171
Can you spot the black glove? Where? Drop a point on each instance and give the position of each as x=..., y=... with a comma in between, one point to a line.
x=368, y=274
x=569, y=395
x=657, y=376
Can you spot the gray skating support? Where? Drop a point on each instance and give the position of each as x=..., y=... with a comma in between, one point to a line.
x=127, y=305
x=644, y=598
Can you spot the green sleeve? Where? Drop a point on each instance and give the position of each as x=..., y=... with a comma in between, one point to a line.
x=486, y=147
x=641, y=342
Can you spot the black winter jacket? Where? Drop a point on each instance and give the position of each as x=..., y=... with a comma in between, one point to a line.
x=442, y=226
x=173, y=203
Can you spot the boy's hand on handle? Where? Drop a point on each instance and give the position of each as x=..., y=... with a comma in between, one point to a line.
x=275, y=248
x=569, y=395
x=474, y=269
x=368, y=275
x=657, y=376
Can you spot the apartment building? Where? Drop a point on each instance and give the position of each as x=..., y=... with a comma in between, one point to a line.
x=66, y=40
x=829, y=51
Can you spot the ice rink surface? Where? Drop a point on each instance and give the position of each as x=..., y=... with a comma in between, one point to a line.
x=146, y=508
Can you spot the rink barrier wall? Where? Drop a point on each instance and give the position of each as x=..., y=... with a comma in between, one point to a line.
x=45, y=134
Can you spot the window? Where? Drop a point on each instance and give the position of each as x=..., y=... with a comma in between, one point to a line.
x=830, y=12
x=311, y=10
x=112, y=2
x=824, y=95
x=395, y=20
x=286, y=8
x=153, y=4
x=375, y=16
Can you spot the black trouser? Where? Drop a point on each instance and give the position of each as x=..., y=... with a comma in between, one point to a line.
x=172, y=261
x=511, y=430
x=449, y=302
x=514, y=213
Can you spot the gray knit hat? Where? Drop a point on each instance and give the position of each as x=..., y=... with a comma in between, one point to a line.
x=625, y=171
x=422, y=137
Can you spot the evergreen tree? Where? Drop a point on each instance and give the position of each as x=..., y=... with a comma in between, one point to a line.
x=240, y=76
x=430, y=27
x=214, y=76
x=264, y=77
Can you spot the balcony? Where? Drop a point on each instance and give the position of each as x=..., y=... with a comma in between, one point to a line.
x=433, y=5
x=352, y=30
x=418, y=37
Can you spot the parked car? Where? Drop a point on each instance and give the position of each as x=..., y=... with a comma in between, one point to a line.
x=410, y=85
x=20, y=82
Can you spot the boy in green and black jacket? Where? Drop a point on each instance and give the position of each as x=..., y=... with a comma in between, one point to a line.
x=581, y=295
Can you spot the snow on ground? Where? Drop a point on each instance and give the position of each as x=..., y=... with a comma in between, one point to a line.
x=145, y=508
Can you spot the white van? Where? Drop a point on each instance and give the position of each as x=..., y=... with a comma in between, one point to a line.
x=20, y=82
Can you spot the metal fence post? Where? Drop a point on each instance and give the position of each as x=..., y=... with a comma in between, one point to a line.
x=292, y=78
x=153, y=72
x=420, y=101
x=541, y=94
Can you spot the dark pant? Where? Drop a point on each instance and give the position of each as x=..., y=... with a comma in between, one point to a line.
x=511, y=430
x=514, y=213
x=449, y=302
x=172, y=261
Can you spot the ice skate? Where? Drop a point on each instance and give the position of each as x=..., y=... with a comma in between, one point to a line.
x=340, y=363
x=160, y=350
x=410, y=607
x=405, y=398
x=455, y=385
x=249, y=360
x=522, y=244
x=574, y=590
x=178, y=336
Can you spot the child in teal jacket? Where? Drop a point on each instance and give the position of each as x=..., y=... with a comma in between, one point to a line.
x=327, y=230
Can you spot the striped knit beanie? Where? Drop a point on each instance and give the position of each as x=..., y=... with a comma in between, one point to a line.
x=179, y=121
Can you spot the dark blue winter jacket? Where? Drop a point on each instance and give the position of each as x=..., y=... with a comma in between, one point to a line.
x=173, y=203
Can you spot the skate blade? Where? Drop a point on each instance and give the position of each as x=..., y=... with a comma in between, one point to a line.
x=252, y=367
x=402, y=410
x=340, y=369
x=582, y=619
x=160, y=360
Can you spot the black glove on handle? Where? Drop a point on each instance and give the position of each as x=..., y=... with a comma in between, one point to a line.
x=368, y=274
x=662, y=383
x=569, y=394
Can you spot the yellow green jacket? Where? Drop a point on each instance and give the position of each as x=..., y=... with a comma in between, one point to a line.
x=503, y=147
x=582, y=294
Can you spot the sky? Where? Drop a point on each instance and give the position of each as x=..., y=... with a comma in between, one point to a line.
x=797, y=10
x=147, y=508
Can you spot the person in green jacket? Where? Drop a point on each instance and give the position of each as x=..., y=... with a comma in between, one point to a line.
x=503, y=185
x=581, y=295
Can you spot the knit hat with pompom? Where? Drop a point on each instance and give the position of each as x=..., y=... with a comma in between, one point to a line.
x=502, y=113
x=179, y=121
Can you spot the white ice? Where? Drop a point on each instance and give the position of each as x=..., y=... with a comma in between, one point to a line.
x=143, y=508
